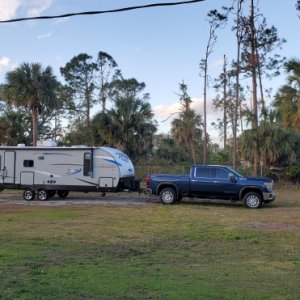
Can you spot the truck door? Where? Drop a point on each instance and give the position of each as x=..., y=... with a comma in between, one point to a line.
x=223, y=187
x=9, y=167
x=202, y=183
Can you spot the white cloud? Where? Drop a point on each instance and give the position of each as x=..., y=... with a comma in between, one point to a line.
x=36, y=7
x=45, y=35
x=4, y=63
x=165, y=111
x=8, y=8
x=32, y=8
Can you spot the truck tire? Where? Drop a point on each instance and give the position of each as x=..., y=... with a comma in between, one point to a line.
x=43, y=195
x=168, y=196
x=62, y=194
x=252, y=200
x=29, y=195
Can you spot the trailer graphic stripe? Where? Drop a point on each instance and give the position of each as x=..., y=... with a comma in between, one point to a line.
x=92, y=183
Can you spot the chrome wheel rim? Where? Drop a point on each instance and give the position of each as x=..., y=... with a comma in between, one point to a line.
x=252, y=201
x=28, y=195
x=168, y=197
x=43, y=195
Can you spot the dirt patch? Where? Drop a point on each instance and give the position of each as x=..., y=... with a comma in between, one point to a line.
x=74, y=199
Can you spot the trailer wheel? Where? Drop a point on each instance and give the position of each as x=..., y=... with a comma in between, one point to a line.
x=51, y=194
x=43, y=195
x=29, y=195
x=168, y=196
x=62, y=194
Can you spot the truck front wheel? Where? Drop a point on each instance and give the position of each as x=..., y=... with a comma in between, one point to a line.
x=168, y=196
x=252, y=200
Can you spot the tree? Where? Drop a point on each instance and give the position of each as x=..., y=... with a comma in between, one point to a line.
x=32, y=87
x=129, y=123
x=107, y=72
x=186, y=128
x=79, y=74
x=298, y=6
x=130, y=126
x=287, y=100
x=215, y=21
x=278, y=147
x=14, y=127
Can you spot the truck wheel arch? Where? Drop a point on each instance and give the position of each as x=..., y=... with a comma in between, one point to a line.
x=248, y=189
x=164, y=185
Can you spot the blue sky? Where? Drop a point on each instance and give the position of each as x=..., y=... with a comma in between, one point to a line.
x=160, y=46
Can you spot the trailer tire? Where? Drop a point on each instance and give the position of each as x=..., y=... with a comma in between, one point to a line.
x=51, y=193
x=28, y=195
x=168, y=196
x=43, y=195
x=62, y=194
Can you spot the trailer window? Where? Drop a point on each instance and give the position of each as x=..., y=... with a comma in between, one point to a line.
x=28, y=163
x=87, y=164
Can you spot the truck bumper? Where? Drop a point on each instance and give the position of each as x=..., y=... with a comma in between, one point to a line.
x=269, y=197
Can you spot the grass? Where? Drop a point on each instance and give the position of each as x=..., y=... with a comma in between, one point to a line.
x=187, y=251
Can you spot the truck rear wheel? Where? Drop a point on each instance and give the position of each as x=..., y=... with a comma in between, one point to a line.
x=252, y=200
x=168, y=196
x=29, y=195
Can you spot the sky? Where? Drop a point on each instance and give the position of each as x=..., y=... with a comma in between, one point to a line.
x=158, y=46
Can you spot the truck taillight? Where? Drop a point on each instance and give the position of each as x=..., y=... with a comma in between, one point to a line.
x=148, y=180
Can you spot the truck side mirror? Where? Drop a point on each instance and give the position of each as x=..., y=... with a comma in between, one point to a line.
x=232, y=178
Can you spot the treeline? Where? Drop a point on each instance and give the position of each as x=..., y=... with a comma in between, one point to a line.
x=257, y=129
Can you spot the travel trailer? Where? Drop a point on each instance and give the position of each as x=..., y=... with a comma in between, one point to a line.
x=44, y=171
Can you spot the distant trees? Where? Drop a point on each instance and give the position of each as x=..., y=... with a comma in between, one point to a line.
x=32, y=87
x=287, y=99
x=186, y=129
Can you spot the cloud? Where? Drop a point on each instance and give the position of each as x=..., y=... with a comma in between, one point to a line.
x=165, y=111
x=4, y=63
x=36, y=7
x=45, y=35
x=8, y=8
x=32, y=8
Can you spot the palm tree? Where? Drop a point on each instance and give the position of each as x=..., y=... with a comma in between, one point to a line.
x=287, y=99
x=30, y=86
x=274, y=145
x=130, y=126
x=186, y=129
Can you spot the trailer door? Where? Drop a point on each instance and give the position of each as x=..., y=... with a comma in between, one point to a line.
x=9, y=167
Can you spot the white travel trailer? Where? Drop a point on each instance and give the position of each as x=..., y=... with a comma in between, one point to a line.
x=43, y=171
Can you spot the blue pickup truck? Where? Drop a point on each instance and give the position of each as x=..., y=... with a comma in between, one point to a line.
x=212, y=182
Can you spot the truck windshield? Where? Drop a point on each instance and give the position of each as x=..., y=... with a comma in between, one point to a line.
x=235, y=172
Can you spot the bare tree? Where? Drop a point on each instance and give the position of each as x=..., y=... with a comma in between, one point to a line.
x=215, y=21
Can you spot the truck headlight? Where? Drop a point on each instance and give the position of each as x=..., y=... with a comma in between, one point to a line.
x=269, y=185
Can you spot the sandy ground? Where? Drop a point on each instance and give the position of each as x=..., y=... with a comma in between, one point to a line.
x=81, y=199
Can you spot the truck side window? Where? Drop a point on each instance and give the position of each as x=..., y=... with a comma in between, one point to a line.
x=28, y=163
x=203, y=172
x=87, y=164
x=222, y=173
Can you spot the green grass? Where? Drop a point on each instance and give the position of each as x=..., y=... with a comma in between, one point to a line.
x=187, y=251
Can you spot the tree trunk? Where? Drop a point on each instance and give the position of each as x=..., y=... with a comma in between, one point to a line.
x=237, y=88
x=204, y=115
x=225, y=103
x=34, y=125
x=254, y=82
